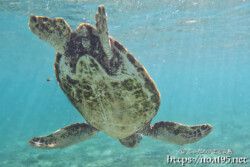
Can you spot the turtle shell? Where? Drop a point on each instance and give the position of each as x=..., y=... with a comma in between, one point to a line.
x=116, y=95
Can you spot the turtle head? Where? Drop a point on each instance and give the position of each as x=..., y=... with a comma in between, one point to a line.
x=56, y=31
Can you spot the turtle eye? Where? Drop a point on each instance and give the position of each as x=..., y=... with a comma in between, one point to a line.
x=33, y=18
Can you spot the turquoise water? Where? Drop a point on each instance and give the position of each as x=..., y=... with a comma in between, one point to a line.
x=197, y=52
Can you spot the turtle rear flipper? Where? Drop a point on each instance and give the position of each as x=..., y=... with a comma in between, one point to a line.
x=177, y=133
x=64, y=137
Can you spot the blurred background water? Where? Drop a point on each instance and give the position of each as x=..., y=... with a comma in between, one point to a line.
x=197, y=52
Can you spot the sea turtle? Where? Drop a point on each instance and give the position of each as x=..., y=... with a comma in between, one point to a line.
x=107, y=85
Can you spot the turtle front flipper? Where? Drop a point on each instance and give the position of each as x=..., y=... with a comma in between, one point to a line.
x=64, y=137
x=131, y=141
x=101, y=23
x=177, y=133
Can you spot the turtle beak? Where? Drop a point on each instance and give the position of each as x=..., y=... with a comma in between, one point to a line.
x=32, y=22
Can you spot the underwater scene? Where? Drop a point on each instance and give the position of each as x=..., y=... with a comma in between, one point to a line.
x=197, y=52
